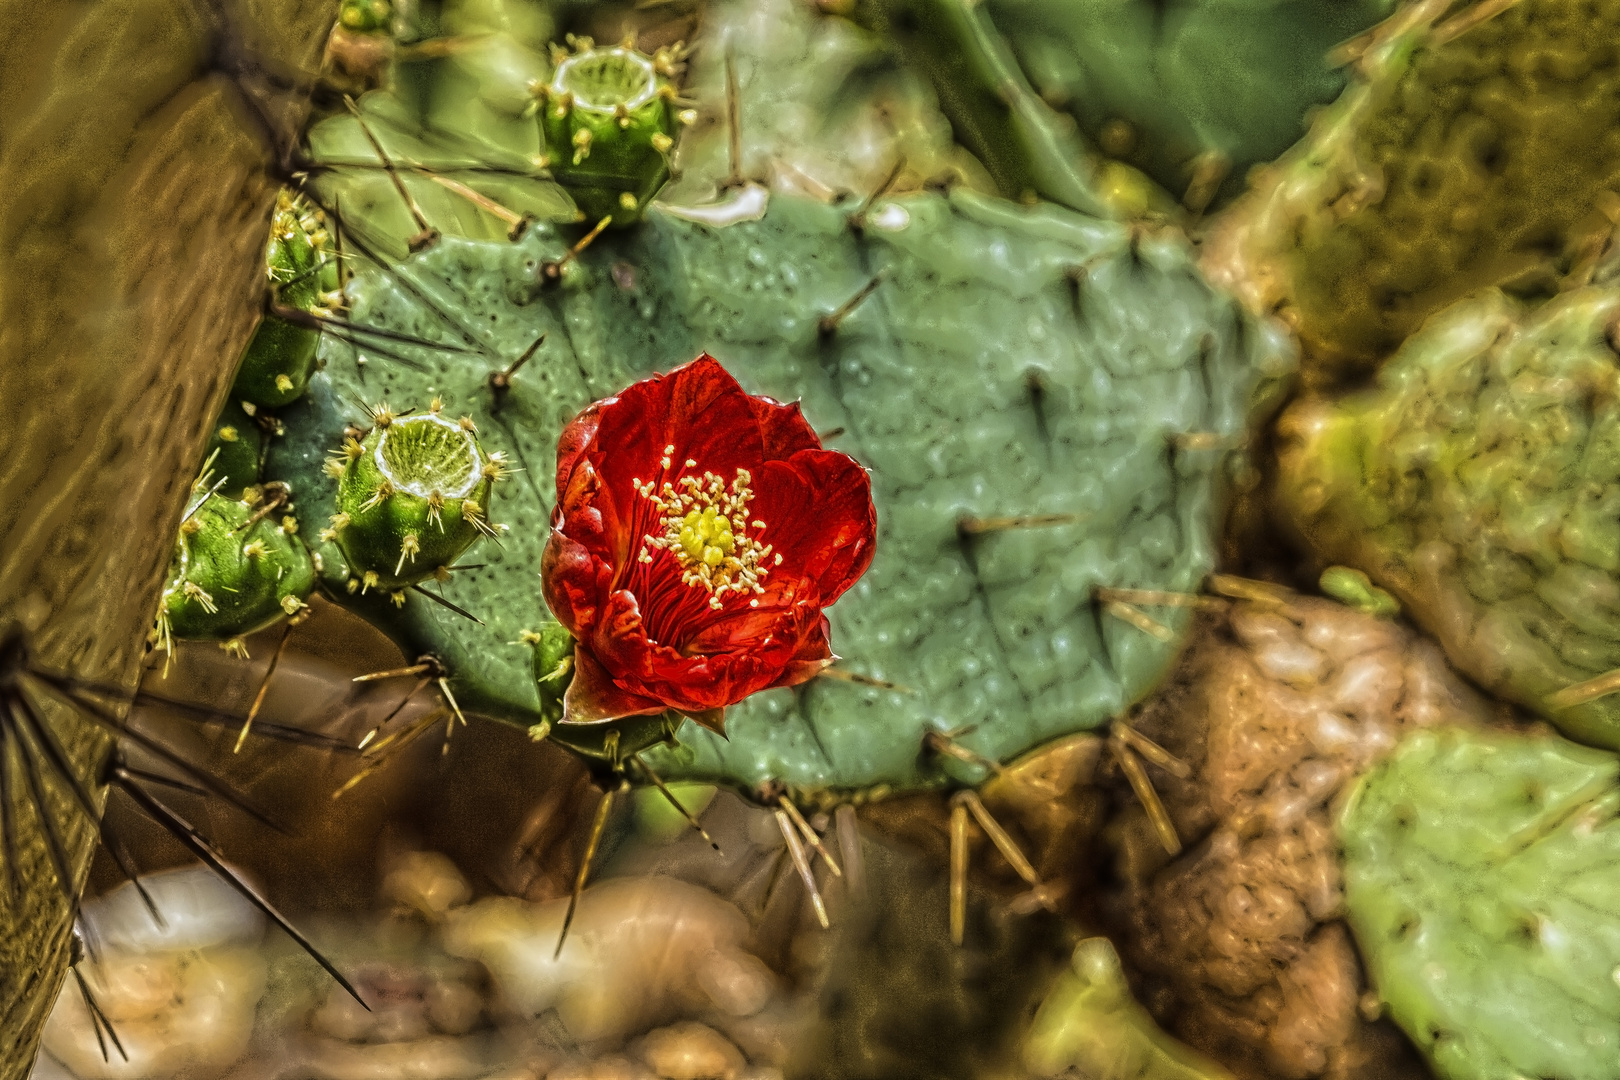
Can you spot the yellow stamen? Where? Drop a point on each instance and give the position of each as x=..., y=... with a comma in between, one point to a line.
x=705, y=526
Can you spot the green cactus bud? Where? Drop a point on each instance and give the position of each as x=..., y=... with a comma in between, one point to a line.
x=412, y=496
x=281, y=356
x=365, y=16
x=1355, y=589
x=608, y=127
x=553, y=671
x=238, y=566
x=235, y=449
x=1482, y=880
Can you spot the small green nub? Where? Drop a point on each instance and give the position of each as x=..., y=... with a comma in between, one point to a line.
x=413, y=495
x=229, y=578
x=1355, y=589
x=365, y=16
x=608, y=128
x=553, y=671
x=235, y=450
x=280, y=358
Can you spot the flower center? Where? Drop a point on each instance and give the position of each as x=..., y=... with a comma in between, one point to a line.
x=704, y=523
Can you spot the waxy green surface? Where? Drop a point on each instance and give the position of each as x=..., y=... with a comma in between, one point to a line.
x=1010, y=362
x=1482, y=874
x=1480, y=483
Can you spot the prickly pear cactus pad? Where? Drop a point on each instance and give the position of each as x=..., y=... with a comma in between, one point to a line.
x=1042, y=399
x=1478, y=147
x=1479, y=484
x=1480, y=874
x=1192, y=93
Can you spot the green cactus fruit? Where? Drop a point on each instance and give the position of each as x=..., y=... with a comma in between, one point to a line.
x=1482, y=878
x=1090, y=1023
x=1045, y=401
x=280, y=358
x=1355, y=589
x=609, y=127
x=234, y=450
x=1478, y=483
x=1193, y=92
x=238, y=566
x=1481, y=150
x=413, y=493
x=553, y=670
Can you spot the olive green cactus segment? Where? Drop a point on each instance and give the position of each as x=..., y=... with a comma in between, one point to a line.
x=1039, y=456
x=1089, y=1023
x=609, y=127
x=413, y=495
x=1480, y=485
x=238, y=566
x=1482, y=879
x=1471, y=153
x=281, y=356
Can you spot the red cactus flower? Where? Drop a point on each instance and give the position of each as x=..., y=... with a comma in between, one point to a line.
x=699, y=531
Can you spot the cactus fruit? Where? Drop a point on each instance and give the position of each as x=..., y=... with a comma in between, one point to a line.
x=1477, y=151
x=1477, y=484
x=236, y=448
x=1481, y=881
x=413, y=493
x=281, y=357
x=365, y=16
x=238, y=567
x=1018, y=462
x=609, y=125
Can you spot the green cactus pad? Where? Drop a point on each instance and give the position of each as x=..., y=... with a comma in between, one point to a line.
x=609, y=128
x=1009, y=362
x=413, y=496
x=1169, y=87
x=1482, y=876
x=1480, y=483
x=1457, y=161
x=281, y=356
x=230, y=578
x=235, y=449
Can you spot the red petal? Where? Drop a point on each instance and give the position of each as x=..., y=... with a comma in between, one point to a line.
x=782, y=428
x=818, y=514
x=574, y=441
x=594, y=698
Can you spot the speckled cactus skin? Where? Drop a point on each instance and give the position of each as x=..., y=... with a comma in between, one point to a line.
x=1480, y=483
x=1010, y=362
x=1482, y=884
x=1455, y=161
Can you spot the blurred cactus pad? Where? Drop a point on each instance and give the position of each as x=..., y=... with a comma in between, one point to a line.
x=1482, y=877
x=1480, y=483
x=1045, y=401
x=1478, y=147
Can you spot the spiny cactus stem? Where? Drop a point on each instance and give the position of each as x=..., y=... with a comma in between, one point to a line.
x=999, y=836
x=551, y=271
x=516, y=224
x=264, y=687
x=604, y=807
x=976, y=526
x=669, y=796
x=1140, y=619
x=1146, y=794
x=828, y=326
x=959, y=871
x=801, y=863
x=426, y=234
x=811, y=837
x=1459, y=24
x=944, y=742
x=273, y=496
x=844, y=675
x=1157, y=598
x=849, y=846
x=500, y=382
x=1582, y=692
x=1151, y=750
x=857, y=220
